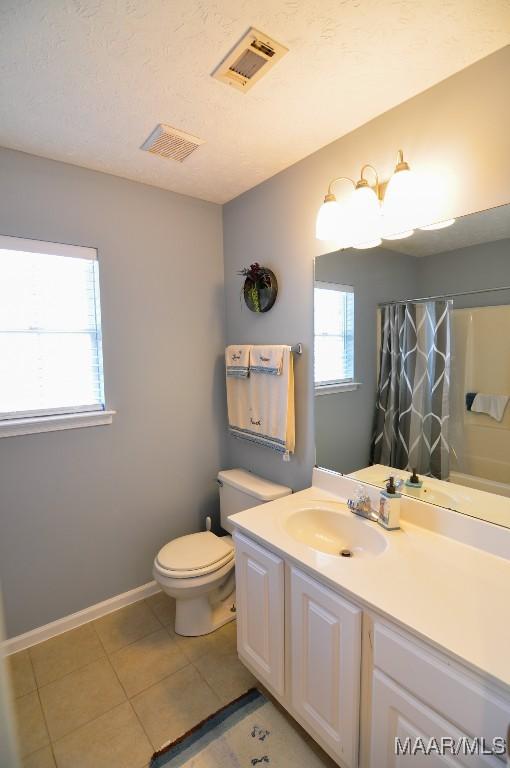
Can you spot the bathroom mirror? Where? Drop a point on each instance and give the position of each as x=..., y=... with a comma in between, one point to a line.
x=412, y=363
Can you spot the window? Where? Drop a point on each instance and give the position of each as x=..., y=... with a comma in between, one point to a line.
x=50, y=331
x=334, y=335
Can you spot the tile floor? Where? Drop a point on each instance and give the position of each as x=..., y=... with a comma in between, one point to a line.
x=106, y=695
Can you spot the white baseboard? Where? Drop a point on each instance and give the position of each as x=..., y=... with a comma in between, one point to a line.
x=20, y=642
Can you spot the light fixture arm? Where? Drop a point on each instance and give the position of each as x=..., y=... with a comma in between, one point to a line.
x=363, y=182
x=401, y=163
x=330, y=195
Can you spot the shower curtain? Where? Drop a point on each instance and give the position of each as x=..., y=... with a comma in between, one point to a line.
x=412, y=405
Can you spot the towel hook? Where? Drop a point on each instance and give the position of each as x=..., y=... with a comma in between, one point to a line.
x=297, y=349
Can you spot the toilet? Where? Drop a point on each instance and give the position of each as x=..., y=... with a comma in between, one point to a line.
x=198, y=570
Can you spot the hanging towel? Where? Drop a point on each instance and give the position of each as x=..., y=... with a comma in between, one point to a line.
x=492, y=405
x=237, y=360
x=267, y=359
x=261, y=408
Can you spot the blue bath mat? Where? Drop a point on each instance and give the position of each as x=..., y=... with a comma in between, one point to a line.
x=250, y=732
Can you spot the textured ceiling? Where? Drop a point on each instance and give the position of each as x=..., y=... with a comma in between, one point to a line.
x=482, y=227
x=86, y=81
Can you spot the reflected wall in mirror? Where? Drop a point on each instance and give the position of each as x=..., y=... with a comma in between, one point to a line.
x=413, y=371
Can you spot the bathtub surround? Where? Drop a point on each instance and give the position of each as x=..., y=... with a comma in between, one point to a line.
x=84, y=510
x=458, y=130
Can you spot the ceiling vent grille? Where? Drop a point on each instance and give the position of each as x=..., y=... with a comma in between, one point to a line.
x=169, y=142
x=250, y=60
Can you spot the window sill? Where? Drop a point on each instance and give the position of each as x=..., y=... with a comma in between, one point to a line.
x=333, y=389
x=30, y=426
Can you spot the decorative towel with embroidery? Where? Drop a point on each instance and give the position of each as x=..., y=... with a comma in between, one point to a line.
x=261, y=407
x=267, y=359
x=237, y=360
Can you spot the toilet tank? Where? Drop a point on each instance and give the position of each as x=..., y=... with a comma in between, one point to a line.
x=240, y=490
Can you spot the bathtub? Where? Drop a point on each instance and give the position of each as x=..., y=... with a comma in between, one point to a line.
x=480, y=483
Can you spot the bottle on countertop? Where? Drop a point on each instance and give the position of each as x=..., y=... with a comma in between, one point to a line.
x=414, y=481
x=389, y=506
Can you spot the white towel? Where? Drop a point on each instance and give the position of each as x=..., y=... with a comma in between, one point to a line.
x=492, y=405
x=267, y=359
x=237, y=360
x=261, y=408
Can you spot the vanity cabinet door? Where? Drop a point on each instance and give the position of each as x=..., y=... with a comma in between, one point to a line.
x=325, y=640
x=260, y=611
x=397, y=715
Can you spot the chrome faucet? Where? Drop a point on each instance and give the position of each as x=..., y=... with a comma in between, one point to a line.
x=362, y=506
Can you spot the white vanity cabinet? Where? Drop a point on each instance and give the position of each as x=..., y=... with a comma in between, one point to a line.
x=416, y=692
x=325, y=658
x=260, y=612
x=303, y=640
x=315, y=638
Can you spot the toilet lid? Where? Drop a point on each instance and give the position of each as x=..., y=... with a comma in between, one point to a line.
x=196, y=552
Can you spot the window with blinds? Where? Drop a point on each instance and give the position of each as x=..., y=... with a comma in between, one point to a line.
x=334, y=334
x=50, y=329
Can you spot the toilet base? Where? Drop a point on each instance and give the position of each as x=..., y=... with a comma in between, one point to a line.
x=202, y=603
x=198, y=616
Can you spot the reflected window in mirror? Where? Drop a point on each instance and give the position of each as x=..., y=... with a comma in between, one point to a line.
x=333, y=336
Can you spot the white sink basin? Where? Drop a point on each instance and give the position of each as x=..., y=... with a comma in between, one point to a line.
x=331, y=532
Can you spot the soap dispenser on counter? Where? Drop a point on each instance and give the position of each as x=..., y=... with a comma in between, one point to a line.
x=389, y=506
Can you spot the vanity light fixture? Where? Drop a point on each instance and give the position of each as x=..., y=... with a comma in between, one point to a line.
x=400, y=202
x=365, y=212
x=365, y=218
x=331, y=222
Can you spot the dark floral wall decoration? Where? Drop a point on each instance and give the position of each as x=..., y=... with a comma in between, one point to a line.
x=260, y=287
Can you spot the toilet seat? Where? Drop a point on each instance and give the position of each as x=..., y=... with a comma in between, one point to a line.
x=197, y=554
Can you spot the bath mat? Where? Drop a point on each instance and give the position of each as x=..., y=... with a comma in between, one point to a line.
x=247, y=733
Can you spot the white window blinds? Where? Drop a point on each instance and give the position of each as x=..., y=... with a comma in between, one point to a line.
x=334, y=334
x=50, y=329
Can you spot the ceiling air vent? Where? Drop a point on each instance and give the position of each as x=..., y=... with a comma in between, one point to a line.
x=252, y=57
x=169, y=142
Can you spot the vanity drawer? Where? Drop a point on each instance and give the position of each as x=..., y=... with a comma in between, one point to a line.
x=460, y=697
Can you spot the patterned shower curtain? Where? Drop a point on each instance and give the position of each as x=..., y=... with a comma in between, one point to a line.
x=412, y=405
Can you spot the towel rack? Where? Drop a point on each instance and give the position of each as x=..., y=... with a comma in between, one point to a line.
x=297, y=349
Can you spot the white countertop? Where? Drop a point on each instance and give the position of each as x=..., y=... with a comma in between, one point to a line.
x=453, y=595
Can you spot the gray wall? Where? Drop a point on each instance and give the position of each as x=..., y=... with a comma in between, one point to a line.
x=344, y=421
x=83, y=512
x=455, y=134
x=468, y=269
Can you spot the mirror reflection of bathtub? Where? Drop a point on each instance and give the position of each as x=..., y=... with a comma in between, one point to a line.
x=463, y=273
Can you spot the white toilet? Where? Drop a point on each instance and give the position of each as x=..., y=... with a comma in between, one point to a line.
x=198, y=570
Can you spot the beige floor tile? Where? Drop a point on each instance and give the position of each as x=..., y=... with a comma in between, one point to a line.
x=43, y=758
x=226, y=675
x=32, y=731
x=147, y=661
x=79, y=697
x=114, y=740
x=164, y=607
x=21, y=673
x=126, y=625
x=65, y=653
x=222, y=639
x=172, y=707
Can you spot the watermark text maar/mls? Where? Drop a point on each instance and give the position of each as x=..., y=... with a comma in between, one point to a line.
x=447, y=745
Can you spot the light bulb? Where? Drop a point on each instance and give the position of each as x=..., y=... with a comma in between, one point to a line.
x=327, y=226
x=365, y=217
x=401, y=205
